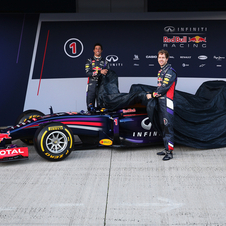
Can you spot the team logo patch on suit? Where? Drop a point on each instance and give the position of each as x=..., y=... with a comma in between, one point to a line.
x=170, y=146
x=169, y=103
x=165, y=121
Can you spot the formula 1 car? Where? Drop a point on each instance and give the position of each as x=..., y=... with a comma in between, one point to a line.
x=55, y=135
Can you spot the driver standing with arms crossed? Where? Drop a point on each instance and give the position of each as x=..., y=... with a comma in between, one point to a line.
x=164, y=93
x=94, y=67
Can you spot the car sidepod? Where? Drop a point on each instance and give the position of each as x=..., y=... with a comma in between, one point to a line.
x=136, y=129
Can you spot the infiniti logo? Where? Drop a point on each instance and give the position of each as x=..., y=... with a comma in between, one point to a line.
x=169, y=29
x=111, y=58
x=146, y=126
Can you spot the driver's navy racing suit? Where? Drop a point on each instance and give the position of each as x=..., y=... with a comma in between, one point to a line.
x=93, y=67
x=167, y=79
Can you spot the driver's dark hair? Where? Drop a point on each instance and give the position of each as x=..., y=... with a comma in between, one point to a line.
x=98, y=44
x=163, y=51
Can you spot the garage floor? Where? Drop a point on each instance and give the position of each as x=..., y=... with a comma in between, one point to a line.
x=116, y=187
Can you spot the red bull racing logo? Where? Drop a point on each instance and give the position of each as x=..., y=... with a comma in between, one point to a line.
x=177, y=41
x=184, y=37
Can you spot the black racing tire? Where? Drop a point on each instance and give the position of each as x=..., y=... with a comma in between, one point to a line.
x=29, y=114
x=54, y=141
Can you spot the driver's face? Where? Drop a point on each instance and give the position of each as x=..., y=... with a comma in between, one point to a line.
x=97, y=51
x=162, y=59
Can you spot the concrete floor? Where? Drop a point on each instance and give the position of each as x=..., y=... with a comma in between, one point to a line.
x=116, y=187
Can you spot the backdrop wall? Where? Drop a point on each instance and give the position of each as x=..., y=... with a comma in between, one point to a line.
x=63, y=42
x=16, y=47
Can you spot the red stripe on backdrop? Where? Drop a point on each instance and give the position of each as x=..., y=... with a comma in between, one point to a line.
x=43, y=63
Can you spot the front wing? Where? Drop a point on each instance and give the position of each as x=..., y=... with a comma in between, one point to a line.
x=13, y=154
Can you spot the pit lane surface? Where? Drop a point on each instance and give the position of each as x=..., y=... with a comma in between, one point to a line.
x=116, y=187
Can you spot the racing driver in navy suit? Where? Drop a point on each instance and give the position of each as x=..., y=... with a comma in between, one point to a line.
x=95, y=67
x=164, y=93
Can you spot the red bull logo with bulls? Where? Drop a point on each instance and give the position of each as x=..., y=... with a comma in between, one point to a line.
x=197, y=39
x=185, y=41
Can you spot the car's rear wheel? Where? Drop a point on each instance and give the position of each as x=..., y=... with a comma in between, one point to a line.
x=54, y=141
x=26, y=115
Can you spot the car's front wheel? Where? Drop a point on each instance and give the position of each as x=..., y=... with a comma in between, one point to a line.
x=54, y=141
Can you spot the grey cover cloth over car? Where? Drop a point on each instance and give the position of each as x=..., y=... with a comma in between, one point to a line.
x=199, y=120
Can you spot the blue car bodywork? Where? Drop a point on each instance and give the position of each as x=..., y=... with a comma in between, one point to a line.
x=122, y=128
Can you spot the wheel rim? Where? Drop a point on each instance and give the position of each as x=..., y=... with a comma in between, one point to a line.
x=56, y=142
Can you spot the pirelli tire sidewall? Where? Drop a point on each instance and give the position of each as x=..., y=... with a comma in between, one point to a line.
x=44, y=136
